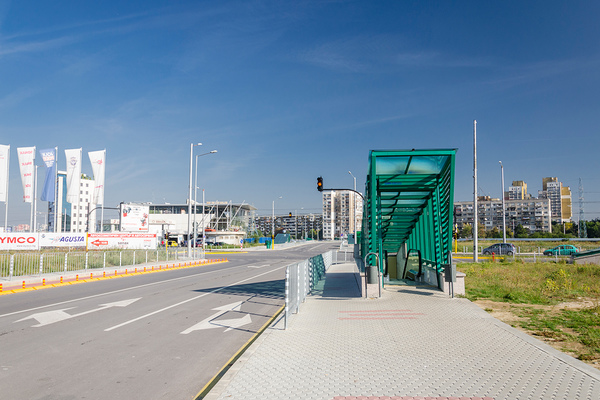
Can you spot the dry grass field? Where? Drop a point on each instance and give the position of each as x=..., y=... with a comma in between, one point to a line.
x=556, y=302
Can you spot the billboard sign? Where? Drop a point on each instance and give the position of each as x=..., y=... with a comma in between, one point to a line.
x=134, y=217
x=131, y=241
x=19, y=241
x=62, y=239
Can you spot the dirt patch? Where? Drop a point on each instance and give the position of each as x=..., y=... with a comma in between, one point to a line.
x=509, y=314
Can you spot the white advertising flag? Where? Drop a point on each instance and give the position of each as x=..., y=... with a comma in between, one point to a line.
x=4, y=157
x=73, y=157
x=98, y=159
x=27, y=166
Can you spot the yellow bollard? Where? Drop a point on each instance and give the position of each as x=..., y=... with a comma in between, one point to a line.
x=76, y=277
x=104, y=274
x=44, y=282
x=91, y=276
x=61, y=281
x=23, y=284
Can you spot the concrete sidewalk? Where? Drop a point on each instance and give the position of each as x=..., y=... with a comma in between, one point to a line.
x=412, y=343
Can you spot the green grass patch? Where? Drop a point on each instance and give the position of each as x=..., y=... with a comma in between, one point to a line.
x=538, y=288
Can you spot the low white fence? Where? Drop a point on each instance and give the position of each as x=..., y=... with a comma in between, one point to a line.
x=38, y=263
x=302, y=277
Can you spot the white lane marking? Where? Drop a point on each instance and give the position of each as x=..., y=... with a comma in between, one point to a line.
x=114, y=291
x=258, y=266
x=50, y=317
x=188, y=300
x=230, y=324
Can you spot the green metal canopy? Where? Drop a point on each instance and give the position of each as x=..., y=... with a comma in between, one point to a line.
x=409, y=197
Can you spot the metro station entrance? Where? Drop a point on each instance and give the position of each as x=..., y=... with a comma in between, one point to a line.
x=408, y=218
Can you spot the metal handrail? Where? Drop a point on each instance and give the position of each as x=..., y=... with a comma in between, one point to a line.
x=378, y=272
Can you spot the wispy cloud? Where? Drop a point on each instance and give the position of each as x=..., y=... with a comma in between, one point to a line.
x=7, y=48
x=382, y=53
x=16, y=97
x=517, y=74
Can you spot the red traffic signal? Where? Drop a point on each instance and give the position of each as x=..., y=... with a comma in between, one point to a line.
x=320, y=184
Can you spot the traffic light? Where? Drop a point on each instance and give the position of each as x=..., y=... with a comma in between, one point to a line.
x=320, y=184
x=290, y=214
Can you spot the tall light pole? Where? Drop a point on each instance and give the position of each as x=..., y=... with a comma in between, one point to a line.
x=189, y=230
x=475, y=206
x=354, y=204
x=195, y=204
x=503, y=206
x=273, y=225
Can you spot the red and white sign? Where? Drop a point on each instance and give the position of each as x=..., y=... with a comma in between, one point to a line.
x=26, y=157
x=131, y=241
x=134, y=217
x=19, y=241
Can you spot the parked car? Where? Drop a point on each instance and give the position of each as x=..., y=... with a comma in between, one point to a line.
x=500, y=249
x=562, y=250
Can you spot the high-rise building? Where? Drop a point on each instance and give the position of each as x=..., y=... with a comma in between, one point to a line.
x=518, y=191
x=74, y=217
x=560, y=199
x=342, y=213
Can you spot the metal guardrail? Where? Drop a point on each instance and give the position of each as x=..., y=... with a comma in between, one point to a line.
x=302, y=277
x=39, y=263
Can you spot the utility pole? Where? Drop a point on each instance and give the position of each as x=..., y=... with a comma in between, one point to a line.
x=475, y=208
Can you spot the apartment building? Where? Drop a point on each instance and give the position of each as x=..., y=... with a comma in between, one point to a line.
x=517, y=191
x=299, y=226
x=532, y=214
x=342, y=213
x=560, y=199
x=77, y=216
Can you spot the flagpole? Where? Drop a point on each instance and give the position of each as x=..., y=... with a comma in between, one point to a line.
x=78, y=193
x=34, y=197
x=56, y=189
x=103, y=187
x=31, y=215
x=6, y=202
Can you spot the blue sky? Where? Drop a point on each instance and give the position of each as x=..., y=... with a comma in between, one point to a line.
x=288, y=91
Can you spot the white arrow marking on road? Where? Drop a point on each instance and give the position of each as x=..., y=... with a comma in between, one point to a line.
x=229, y=323
x=50, y=317
x=234, y=323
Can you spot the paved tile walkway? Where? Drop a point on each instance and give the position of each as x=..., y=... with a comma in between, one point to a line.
x=412, y=343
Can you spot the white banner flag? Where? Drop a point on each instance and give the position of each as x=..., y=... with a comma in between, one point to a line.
x=98, y=159
x=4, y=157
x=73, y=157
x=27, y=166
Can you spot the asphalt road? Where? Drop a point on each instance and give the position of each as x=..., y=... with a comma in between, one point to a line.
x=155, y=336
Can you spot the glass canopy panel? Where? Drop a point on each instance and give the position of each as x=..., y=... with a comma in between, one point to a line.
x=427, y=164
x=391, y=165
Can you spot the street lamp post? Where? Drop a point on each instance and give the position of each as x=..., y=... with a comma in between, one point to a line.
x=189, y=230
x=195, y=204
x=503, y=206
x=354, y=204
x=273, y=225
